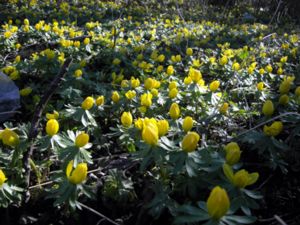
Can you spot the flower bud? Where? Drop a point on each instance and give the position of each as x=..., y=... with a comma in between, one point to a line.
x=273, y=130
x=174, y=111
x=87, y=103
x=260, y=86
x=173, y=93
x=233, y=153
x=150, y=133
x=82, y=139
x=100, y=100
x=146, y=99
x=52, y=127
x=2, y=178
x=285, y=87
x=224, y=108
x=115, y=97
x=214, y=85
x=170, y=70
x=76, y=175
x=163, y=127
x=189, y=51
x=126, y=119
x=9, y=137
x=187, y=123
x=217, y=203
x=190, y=141
x=284, y=99
x=297, y=91
x=268, y=108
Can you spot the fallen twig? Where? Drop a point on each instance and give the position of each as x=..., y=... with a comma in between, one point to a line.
x=37, y=117
x=98, y=213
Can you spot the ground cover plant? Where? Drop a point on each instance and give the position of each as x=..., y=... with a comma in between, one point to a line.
x=149, y=113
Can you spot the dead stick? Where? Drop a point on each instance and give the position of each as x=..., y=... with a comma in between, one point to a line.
x=99, y=214
x=37, y=117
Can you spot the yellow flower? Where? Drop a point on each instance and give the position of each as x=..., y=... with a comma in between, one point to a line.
x=187, y=123
x=2, y=178
x=236, y=66
x=284, y=99
x=160, y=58
x=174, y=111
x=25, y=91
x=214, y=85
x=150, y=133
x=240, y=179
x=139, y=124
x=154, y=92
x=297, y=91
x=189, y=51
x=233, y=153
x=126, y=119
x=223, y=60
x=172, y=85
x=173, y=93
x=149, y=83
x=100, y=100
x=130, y=94
x=135, y=82
x=224, y=108
x=260, y=86
x=269, y=68
x=285, y=86
x=87, y=103
x=53, y=115
x=170, y=70
x=82, y=139
x=187, y=80
x=146, y=99
x=115, y=97
x=9, y=137
x=190, y=142
x=78, y=73
x=273, y=130
x=261, y=71
x=116, y=61
x=268, y=108
x=279, y=71
x=217, y=203
x=86, y=41
x=163, y=127
x=52, y=127
x=195, y=75
x=284, y=59
x=76, y=175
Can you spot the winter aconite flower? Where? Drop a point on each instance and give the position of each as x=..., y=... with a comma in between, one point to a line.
x=82, y=139
x=2, y=178
x=190, y=142
x=187, y=123
x=233, y=153
x=115, y=97
x=126, y=119
x=273, y=130
x=150, y=132
x=284, y=99
x=53, y=115
x=174, y=111
x=268, y=108
x=189, y=51
x=224, y=108
x=241, y=178
x=146, y=99
x=76, y=175
x=100, y=100
x=9, y=137
x=163, y=127
x=213, y=86
x=217, y=203
x=52, y=127
x=88, y=103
